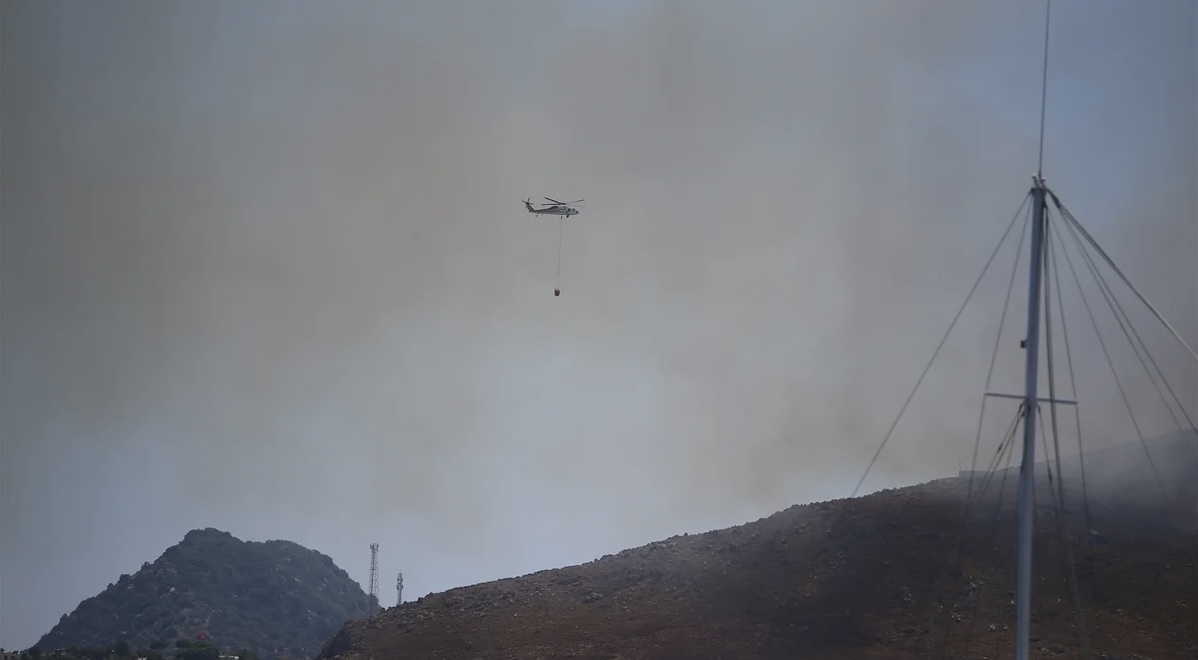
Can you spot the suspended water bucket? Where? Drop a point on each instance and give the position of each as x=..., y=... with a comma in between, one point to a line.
x=557, y=292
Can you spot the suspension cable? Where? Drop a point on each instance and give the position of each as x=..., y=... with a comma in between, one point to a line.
x=1129, y=330
x=1098, y=248
x=560, y=228
x=1003, y=449
x=1074, y=591
x=1052, y=391
x=1081, y=454
x=997, y=342
x=1110, y=363
x=939, y=346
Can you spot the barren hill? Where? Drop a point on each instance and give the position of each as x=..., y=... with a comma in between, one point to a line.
x=896, y=574
x=259, y=596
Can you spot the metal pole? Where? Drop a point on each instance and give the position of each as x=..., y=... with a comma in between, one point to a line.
x=1023, y=593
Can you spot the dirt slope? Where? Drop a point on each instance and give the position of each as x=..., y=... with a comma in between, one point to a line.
x=879, y=577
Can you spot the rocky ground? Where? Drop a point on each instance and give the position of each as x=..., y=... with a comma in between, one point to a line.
x=896, y=574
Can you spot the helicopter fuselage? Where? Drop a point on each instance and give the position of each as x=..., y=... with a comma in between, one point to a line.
x=556, y=209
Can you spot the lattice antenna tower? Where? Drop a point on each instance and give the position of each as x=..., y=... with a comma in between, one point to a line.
x=374, y=575
x=399, y=590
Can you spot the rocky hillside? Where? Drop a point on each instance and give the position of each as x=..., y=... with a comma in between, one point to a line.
x=261, y=596
x=909, y=573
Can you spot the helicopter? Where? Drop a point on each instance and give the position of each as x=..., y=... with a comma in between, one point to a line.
x=562, y=210
x=554, y=207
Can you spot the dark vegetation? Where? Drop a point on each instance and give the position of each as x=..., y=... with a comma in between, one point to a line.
x=213, y=594
x=181, y=649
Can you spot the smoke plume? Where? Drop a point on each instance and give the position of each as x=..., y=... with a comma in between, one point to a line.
x=266, y=269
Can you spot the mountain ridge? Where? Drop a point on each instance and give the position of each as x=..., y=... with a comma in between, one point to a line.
x=264, y=596
x=893, y=574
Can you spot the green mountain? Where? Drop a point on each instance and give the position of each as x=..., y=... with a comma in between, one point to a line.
x=270, y=597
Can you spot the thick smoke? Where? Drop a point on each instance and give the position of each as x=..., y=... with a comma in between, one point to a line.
x=265, y=266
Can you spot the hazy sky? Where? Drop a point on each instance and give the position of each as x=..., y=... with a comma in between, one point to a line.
x=266, y=269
